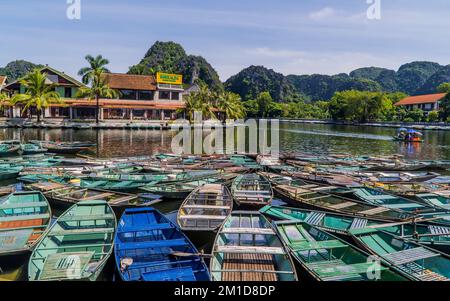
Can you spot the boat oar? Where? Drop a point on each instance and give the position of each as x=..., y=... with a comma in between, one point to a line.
x=185, y=254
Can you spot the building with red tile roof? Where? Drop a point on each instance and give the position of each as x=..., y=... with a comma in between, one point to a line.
x=428, y=102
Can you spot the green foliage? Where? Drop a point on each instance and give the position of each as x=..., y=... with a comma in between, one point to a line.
x=416, y=115
x=433, y=116
x=172, y=58
x=251, y=108
x=37, y=93
x=264, y=101
x=444, y=88
x=201, y=101
x=411, y=77
x=17, y=69
x=430, y=86
x=359, y=106
x=230, y=104
x=445, y=107
x=254, y=80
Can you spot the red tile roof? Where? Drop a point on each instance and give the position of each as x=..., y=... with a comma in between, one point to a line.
x=130, y=81
x=413, y=100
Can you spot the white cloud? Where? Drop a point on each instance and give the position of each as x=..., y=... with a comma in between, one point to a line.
x=323, y=13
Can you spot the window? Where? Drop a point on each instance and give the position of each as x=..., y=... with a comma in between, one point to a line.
x=175, y=95
x=68, y=92
x=127, y=94
x=145, y=95
x=164, y=95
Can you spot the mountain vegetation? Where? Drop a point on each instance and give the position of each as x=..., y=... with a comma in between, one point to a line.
x=17, y=69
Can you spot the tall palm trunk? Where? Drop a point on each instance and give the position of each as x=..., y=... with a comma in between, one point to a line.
x=97, y=110
x=38, y=112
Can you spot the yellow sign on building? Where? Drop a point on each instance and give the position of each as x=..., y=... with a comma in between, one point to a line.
x=167, y=78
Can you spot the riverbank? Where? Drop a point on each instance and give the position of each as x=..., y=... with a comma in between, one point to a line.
x=441, y=126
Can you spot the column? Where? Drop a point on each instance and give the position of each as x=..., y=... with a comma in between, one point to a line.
x=47, y=113
x=100, y=114
x=131, y=114
x=70, y=113
x=162, y=115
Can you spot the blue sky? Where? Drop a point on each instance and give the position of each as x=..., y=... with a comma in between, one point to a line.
x=289, y=36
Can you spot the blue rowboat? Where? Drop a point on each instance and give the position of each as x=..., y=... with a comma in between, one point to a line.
x=149, y=247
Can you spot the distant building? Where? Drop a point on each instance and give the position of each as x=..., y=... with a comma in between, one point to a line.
x=427, y=103
x=143, y=97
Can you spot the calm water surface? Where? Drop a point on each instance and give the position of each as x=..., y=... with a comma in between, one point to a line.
x=312, y=138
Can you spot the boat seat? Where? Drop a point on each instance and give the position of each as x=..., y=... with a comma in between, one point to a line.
x=263, y=231
x=374, y=211
x=358, y=223
x=314, y=218
x=439, y=230
x=24, y=205
x=101, y=196
x=317, y=245
x=77, y=218
x=203, y=217
x=341, y=271
x=88, y=231
x=154, y=244
x=250, y=250
x=409, y=255
x=23, y=217
x=143, y=228
x=403, y=206
x=206, y=207
x=343, y=205
x=175, y=274
x=379, y=197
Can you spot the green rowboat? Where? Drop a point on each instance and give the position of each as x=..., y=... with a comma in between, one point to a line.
x=252, y=189
x=435, y=200
x=31, y=149
x=412, y=260
x=24, y=216
x=328, y=258
x=77, y=246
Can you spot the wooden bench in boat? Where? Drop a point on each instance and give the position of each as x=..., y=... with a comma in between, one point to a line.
x=203, y=217
x=374, y=211
x=121, y=200
x=100, y=196
x=409, y=255
x=82, y=232
x=80, y=218
x=262, y=231
x=249, y=267
x=169, y=243
x=206, y=207
x=337, y=270
x=342, y=205
x=250, y=249
x=317, y=245
x=24, y=205
x=143, y=228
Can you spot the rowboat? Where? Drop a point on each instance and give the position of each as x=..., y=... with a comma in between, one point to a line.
x=412, y=260
x=206, y=208
x=149, y=247
x=247, y=248
x=31, y=149
x=44, y=178
x=77, y=245
x=424, y=231
x=381, y=198
x=325, y=257
x=10, y=172
x=182, y=189
x=153, y=178
x=396, y=177
x=9, y=150
x=61, y=148
x=435, y=200
x=24, y=216
x=251, y=189
x=111, y=185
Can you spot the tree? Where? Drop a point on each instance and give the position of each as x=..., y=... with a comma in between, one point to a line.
x=415, y=115
x=200, y=101
x=4, y=101
x=264, y=100
x=433, y=116
x=230, y=103
x=251, y=108
x=444, y=88
x=37, y=94
x=93, y=76
x=445, y=107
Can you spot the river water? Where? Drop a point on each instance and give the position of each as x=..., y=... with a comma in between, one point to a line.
x=311, y=138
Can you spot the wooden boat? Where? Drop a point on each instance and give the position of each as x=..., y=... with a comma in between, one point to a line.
x=10, y=173
x=31, y=149
x=36, y=178
x=65, y=196
x=154, y=178
x=251, y=189
x=206, y=208
x=306, y=196
x=183, y=189
x=149, y=247
x=435, y=200
x=247, y=248
x=111, y=185
x=381, y=198
x=412, y=260
x=61, y=148
x=396, y=177
x=9, y=149
x=24, y=216
x=422, y=230
x=77, y=245
x=325, y=257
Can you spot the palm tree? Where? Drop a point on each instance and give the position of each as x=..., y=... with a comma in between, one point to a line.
x=4, y=100
x=37, y=93
x=93, y=76
x=200, y=101
x=231, y=105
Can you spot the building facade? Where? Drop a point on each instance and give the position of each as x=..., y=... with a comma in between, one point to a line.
x=426, y=103
x=141, y=97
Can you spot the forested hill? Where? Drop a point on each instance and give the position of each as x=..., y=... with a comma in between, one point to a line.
x=17, y=69
x=412, y=78
x=171, y=57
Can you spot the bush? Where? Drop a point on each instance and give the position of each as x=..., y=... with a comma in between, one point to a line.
x=433, y=116
x=408, y=119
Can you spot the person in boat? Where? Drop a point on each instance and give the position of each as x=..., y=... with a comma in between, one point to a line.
x=408, y=135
